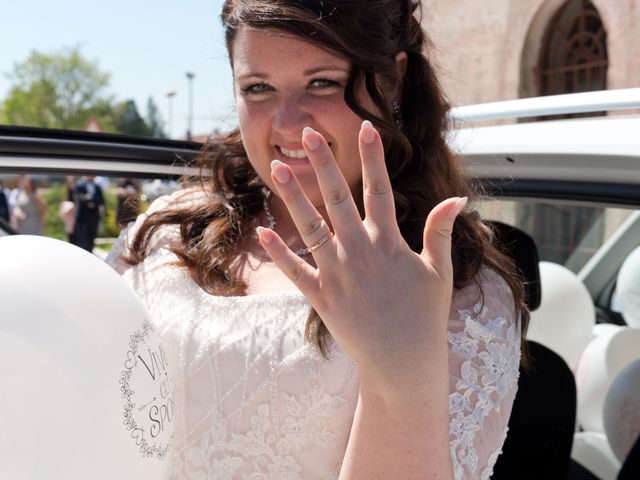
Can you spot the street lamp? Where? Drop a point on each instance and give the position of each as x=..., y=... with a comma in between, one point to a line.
x=190, y=77
x=170, y=94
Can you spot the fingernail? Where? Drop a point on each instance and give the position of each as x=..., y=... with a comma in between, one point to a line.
x=312, y=141
x=264, y=235
x=458, y=207
x=368, y=133
x=281, y=174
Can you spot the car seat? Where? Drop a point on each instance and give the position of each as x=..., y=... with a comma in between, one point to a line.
x=542, y=422
x=631, y=467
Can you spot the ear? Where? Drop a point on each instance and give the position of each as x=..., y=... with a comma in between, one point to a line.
x=401, y=63
x=401, y=69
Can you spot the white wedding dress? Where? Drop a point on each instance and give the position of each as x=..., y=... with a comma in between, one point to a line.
x=255, y=402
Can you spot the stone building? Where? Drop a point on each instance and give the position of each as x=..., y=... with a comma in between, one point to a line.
x=505, y=49
x=492, y=50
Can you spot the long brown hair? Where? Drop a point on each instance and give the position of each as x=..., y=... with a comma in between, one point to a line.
x=423, y=171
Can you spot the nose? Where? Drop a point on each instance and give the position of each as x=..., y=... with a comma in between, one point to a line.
x=291, y=116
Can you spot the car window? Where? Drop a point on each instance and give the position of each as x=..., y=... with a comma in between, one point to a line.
x=124, y=199
x=591, y=241
x=565, y=233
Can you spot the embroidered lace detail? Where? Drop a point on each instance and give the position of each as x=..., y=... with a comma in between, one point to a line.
x=255, y=401
x=270, y=449
x=489, y=347
x=493, y=458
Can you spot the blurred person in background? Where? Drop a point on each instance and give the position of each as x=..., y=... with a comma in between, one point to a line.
x=128, y=193
x=67, y=210
x=89, y=210
x=13, y=194
x=28, y=208
x=4, y=203
x=102, y=182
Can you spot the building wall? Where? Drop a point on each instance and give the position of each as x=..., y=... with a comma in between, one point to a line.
x=485, y=51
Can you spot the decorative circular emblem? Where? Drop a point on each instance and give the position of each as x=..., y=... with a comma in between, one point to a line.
x=148, y=393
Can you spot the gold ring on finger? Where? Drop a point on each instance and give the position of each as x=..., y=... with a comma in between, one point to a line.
x=322, y=241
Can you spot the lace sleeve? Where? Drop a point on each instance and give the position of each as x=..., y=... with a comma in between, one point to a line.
x=164, y=238
x=484, y=358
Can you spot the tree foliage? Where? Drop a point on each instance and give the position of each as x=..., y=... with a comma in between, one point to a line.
x=154, y=121
x=64, y=90
x=61, y=90
x=129, y=121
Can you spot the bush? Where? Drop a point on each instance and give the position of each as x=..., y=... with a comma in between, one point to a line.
x=54, y=196
x=108, y=226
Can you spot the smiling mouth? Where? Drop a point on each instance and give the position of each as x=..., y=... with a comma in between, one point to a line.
x=293, y=154
x=298, y=154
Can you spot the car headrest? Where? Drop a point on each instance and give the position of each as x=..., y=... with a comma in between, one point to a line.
x=522, y=249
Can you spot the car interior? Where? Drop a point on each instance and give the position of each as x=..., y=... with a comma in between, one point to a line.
x=543, y=419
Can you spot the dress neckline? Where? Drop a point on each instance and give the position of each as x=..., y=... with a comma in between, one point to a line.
x=276, y=298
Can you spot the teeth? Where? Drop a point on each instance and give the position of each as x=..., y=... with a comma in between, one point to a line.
x=294, y=153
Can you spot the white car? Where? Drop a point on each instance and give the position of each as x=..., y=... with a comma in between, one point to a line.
x=571, y=184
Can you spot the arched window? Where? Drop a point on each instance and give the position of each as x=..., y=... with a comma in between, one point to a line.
x=574, y=54
x=573, y=59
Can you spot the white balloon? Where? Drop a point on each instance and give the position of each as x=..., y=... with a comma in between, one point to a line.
x=602, y=360
x=86, y=390
x=565, y=319
x=627, y=295
x=605, y=329
x=622, y=410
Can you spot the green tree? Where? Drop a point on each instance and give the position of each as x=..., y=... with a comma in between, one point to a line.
x=60, y=90
x=154, y=121
x=129, y=121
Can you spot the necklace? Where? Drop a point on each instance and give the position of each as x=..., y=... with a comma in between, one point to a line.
x=301, y=252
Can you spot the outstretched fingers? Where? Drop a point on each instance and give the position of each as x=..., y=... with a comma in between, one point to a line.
x=338, y=201
x=437, y=233
x=378, y=195
x=312, y=227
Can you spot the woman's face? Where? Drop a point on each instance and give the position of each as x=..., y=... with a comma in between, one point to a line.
x=283, y=84
x=28, y=185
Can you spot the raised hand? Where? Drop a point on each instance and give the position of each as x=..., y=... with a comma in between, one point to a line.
x=385, y=305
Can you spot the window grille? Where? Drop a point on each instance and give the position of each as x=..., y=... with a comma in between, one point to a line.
x=574, y=54
x=573, y=59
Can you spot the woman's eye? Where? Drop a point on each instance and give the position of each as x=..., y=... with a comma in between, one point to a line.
x=256, y=88
x=324, y=84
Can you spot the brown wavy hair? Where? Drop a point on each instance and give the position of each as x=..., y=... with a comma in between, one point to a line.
x=423, y=171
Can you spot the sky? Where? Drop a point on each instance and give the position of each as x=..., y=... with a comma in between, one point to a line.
x=146, y=46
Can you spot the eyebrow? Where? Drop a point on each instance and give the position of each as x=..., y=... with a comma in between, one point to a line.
x=313, y=71
x=306, y=73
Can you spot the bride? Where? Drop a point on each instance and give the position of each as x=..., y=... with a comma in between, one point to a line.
x=332, y=306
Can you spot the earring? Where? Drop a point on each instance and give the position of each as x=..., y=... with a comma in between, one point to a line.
x=397, y=117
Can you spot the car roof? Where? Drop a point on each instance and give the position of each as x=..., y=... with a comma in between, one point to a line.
x=33, y=150
x=572, y=103
x=595, y=152
x=579, y=158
